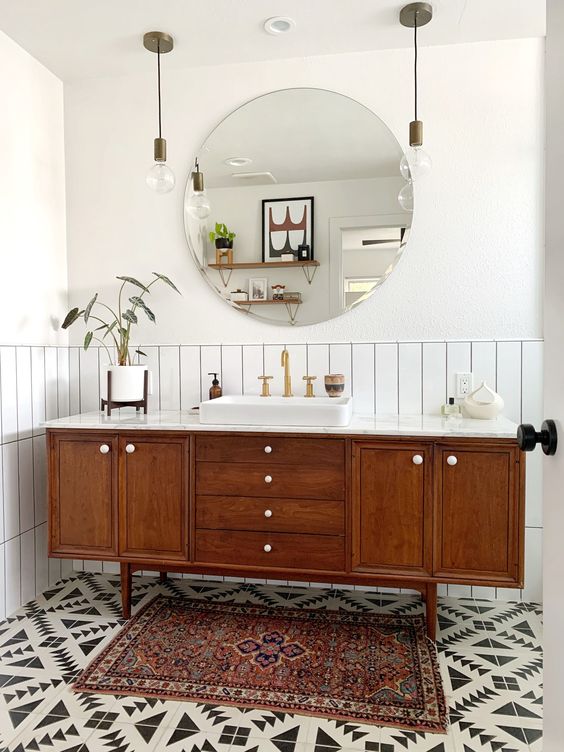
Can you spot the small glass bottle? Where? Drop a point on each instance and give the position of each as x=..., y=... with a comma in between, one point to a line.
x=450, y=408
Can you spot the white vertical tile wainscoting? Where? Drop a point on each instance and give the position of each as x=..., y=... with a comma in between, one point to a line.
x=388, y=377
x=382, y=377
x=34, y=385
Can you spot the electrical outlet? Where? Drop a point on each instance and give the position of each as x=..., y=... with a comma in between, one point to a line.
x=463, y=384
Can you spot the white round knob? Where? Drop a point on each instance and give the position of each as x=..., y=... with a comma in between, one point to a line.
x=268, y=478
x=104, y=449
x=267, y=548
x=417, y=459
x=130, y=448
x=268, y=512
x=268, y=449
x=452, y=460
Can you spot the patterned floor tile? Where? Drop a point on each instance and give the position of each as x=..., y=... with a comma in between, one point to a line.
x=489, y=653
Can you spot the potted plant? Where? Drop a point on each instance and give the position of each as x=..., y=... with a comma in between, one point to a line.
x=221, y=236
x=114, y=327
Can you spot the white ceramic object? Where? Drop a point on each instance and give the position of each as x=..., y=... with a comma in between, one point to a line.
x=483, y=403
x=277, y=411
x=127, y=383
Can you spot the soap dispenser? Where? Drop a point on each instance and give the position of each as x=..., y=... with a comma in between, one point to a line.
x=215, y=389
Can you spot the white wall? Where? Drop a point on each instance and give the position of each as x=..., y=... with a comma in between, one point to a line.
x=33, y=298
x=33, y=282
x=473, y=266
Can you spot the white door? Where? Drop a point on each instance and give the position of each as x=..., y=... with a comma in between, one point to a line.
x=553, y=544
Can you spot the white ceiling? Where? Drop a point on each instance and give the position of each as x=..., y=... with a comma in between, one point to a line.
x=86, y=38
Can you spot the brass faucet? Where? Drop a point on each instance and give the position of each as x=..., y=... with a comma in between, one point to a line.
x=285, y=363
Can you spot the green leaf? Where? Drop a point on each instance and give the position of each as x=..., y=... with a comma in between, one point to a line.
x=141, y=303
x=88, y=339
x=134, y=281
x=140, y=352
x=109, y=328
x=89, y=308
x=168, y=281
x=129, y=316
x=218, y=228
x=70, y=318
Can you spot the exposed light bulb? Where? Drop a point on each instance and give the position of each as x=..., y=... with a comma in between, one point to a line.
x=405, y=197
x=160, y=178
x=198, y=205
x=415, y=163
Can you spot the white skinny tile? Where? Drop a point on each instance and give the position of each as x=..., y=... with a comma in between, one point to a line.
x=189, y=376
x=2, y=583
x=232, y=369
x=434, y=377
x=12, y=551
x=253, y=367
x=10, y=477
x=89, y=380
x=40, y=479
x=38, y=387
x=458, y=361
x=363, y=378
x=170, y=377
x=8, y=393
x=318, y=365
x=28, y=589
x=533, y=565
x=484, y=363
x=25, y=464
x=41, y=560
x=410, y=378
x=23, y=369
x=51, y=386
x=273, y=367
x=74, y=380
x=509, y=378
x=298, y=368
x=152, y=362
x=63, y=382
x=532, y=412
x=386, y=357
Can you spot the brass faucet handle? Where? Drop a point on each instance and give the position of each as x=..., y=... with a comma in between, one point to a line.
x=309, y=385
x=265, y=385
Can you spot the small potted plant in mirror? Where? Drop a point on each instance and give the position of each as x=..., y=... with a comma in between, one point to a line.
x=223, y=239
x=112, y=327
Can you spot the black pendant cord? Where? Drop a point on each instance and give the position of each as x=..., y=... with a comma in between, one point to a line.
x=415, y=62
x=159, y=85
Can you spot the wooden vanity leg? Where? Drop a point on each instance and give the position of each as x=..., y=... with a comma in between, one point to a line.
x=431, y=609
x=125, y=571
x=163, y=577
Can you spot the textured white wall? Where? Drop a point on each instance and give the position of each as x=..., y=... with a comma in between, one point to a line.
x=473, y=266
x=33, y=279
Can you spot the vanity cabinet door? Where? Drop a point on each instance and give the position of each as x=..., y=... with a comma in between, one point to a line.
x=83, y=494
x=392, y=508
x=479, y=520
x=153, y=497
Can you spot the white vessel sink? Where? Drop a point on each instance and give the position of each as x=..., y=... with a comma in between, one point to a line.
x=277, y=411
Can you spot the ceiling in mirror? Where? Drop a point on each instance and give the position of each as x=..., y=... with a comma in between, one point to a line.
x=307, y=180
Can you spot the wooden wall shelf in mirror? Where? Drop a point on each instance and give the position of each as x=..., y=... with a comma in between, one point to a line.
x=265, y=167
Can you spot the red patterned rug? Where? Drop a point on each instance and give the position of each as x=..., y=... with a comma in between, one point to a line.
x=344, y=665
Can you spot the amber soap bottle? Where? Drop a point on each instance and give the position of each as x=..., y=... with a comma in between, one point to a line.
x=215, y=389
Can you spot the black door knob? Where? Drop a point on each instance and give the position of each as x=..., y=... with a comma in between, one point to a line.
x=547, y=437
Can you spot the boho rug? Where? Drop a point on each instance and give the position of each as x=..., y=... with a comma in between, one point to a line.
x=343, y=665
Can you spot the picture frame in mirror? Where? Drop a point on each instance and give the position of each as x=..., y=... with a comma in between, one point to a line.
x=258, y=288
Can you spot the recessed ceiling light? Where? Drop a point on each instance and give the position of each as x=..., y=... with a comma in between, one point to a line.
x=237, y=161
x=279, y=25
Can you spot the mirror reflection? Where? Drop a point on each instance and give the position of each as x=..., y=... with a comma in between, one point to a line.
x=292, y=212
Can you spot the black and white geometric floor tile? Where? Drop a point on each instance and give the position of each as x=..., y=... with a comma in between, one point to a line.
x=490, y=655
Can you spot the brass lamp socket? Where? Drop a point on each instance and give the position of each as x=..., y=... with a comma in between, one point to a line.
x=416, y=133
x=160, y=150
x=198, y=181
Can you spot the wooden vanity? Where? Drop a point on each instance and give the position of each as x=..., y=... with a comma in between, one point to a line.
x=366, y=508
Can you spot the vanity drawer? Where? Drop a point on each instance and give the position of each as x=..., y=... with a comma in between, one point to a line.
x=287, y=550
x=271, y=515
x=271, y=450
x=270, y=481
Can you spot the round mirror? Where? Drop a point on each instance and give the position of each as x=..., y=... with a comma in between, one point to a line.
x=293, y=212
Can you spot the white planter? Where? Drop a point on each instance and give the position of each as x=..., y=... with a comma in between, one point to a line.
x=127, y=383
x=483, y=403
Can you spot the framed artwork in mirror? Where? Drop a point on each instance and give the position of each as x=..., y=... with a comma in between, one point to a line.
x=287, y=224
x=258, y=288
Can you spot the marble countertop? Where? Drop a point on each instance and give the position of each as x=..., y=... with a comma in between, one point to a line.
x=370, y=425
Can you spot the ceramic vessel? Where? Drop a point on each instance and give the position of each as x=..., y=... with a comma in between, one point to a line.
x=483, y=403
x=335, y=384
x=127, y=383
